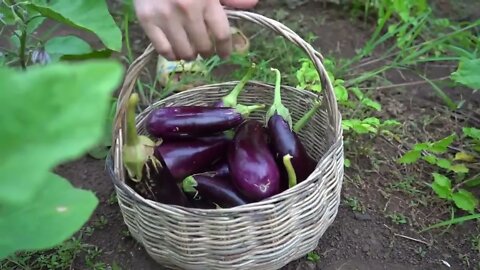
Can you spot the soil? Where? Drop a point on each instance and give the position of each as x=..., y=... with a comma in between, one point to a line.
x=364, y=235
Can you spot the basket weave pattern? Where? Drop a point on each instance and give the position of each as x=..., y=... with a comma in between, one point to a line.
x=263, y=235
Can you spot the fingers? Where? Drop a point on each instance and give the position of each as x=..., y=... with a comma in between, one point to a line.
x=241, y=4
x=160, y=42
x=199, y=37
x=177, y=35
x=217, y=22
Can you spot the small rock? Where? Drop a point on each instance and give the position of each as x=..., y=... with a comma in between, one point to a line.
x=362, y=217
x=356, y=231
x=332, y=244
x=366, y=248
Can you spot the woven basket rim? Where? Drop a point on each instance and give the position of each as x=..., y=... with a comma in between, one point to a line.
x=237, y=209
x=114, y=159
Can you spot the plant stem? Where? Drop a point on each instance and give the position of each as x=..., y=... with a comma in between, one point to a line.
x=21, y=52
x=132, y=136
x=306, y=117
x=230, y=100
x=292, y=176
x=277, y=107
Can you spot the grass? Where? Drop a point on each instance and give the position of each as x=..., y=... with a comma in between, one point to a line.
x=61, y=257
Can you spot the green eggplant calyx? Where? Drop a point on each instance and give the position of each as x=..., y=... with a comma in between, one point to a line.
x=277, y=106
x=189, y=184
x=247, y=110
x=139, y=149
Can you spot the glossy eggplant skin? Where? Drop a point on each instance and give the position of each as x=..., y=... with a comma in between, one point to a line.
x=191, y=121
x=218, y=190
x=221, y=169
x=252, y=166
x=285, y=141
x=160, y=187
x=186, y=157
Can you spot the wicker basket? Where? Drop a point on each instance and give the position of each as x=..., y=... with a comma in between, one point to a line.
x=263, y=235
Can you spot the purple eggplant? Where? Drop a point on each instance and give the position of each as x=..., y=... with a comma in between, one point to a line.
x=217, y=190
x=252, y=166
x=187, y=157
x=285, y=141
x=194, y=121
x=221, y=169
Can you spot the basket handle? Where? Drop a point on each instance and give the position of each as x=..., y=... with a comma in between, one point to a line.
x=138, y=65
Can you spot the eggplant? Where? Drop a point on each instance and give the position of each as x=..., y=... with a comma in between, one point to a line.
x=186, y=157
x=285, y=141
x=194, y=121
x=252, y=166
x=217, y=190
x=221, y=169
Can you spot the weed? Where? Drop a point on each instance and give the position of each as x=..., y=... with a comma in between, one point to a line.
x=397, y=218
x=101, y=222
x=313, y=257
x=355, y=204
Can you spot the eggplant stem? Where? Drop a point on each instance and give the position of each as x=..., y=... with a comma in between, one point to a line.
x=302, y=122
x=277, y=106
x=189, y=184
x=292, y=176
x=132, y=136
x=230, y=100
x=246, y=110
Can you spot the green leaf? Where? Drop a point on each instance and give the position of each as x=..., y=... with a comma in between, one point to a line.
x=471, y=132
x=442, y=186
x=473, y=182
x=410, y=157
x=444, y=163
x=371, y=121
x=50, y=114
x=390, y=123
x=459, y=168
x=372, y=104
x=347, y=163
x=465, y=200
x=357, y=92
x=463, y=156
x=89, y=15
x=442, y=145
x=421, y=146
x=66, y=45
x=55, y=213
x=467, y=73
x=430, y=159
x=341, y=93
x=6, y=15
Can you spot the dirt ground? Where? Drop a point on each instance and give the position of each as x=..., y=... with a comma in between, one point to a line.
x=376, y=226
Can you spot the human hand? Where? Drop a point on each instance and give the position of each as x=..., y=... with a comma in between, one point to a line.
x=182, y=29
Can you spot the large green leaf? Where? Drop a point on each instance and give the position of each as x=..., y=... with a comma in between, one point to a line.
x=89, y=15
x=467, y=73
x=56, y=212
x=66, y=45
x=50, y=115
